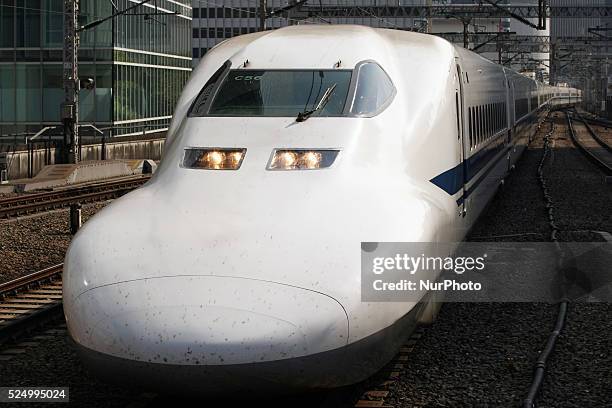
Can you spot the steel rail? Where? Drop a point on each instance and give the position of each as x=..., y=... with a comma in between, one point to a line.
x=41, y=202
x=599, y=140
x=587, y=152
x=30, y=301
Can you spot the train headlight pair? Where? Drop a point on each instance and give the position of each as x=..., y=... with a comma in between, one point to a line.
x=213, y=159
x=282, y=159
x=302, y=159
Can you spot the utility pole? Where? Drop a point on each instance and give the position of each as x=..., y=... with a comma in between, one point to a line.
x=70, y=107
x=263, y=7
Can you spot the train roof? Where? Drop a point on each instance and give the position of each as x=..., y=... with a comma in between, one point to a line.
x=326, y=45
x=403, y=54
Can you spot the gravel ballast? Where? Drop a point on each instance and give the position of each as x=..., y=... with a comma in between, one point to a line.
x=31, y=243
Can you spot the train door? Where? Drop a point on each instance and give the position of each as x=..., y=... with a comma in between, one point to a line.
x=459, y=104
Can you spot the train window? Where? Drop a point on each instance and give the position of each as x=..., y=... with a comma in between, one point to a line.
x=475, y=125
x=505, y=115
x=475, y=109
x=484, y=122
x=488, y=120
x=495, y=117
x=490, y=116
x=493, y=123
x=198, y=106
x=373, y=92
x=478, y=126
x=281, y=93
x=491, y=120
x=471, y=120
x=481, y=120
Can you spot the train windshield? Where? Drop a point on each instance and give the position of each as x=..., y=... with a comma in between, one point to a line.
x=281, y=93
x=363, y=92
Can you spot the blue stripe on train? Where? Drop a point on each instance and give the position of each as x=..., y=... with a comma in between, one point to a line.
x=451, y=180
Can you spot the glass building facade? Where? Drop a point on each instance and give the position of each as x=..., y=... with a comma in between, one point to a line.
x=139, y=63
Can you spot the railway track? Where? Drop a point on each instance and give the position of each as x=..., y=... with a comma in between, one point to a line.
x=40, y=202
x=589, y=143
x=30, y=301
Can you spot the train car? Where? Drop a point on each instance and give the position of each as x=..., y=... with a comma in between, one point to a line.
x=237, y=267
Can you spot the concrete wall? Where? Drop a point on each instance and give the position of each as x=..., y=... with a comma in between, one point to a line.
x=17, y=162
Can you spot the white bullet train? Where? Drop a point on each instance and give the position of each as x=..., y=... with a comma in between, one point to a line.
x=237, y=267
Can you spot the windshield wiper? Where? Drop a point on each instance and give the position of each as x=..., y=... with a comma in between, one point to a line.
x=302, y=116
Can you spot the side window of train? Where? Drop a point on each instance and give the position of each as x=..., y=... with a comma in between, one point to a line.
x=505, y=113
x=495, y=117
x=485, y=119
x=199, y=106
x=481, y=120
x=488, y=120
x=490, y=116
x=478, y=125
x=498, y=116
x=471, y=121
x=374, y=90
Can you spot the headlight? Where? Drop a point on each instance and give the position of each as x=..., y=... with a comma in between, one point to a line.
x=213, y=158
x=302, y=159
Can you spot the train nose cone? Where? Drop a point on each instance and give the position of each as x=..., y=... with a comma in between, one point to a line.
x=205, y=320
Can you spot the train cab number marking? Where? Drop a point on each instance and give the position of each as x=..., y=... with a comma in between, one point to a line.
x=247, y=78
